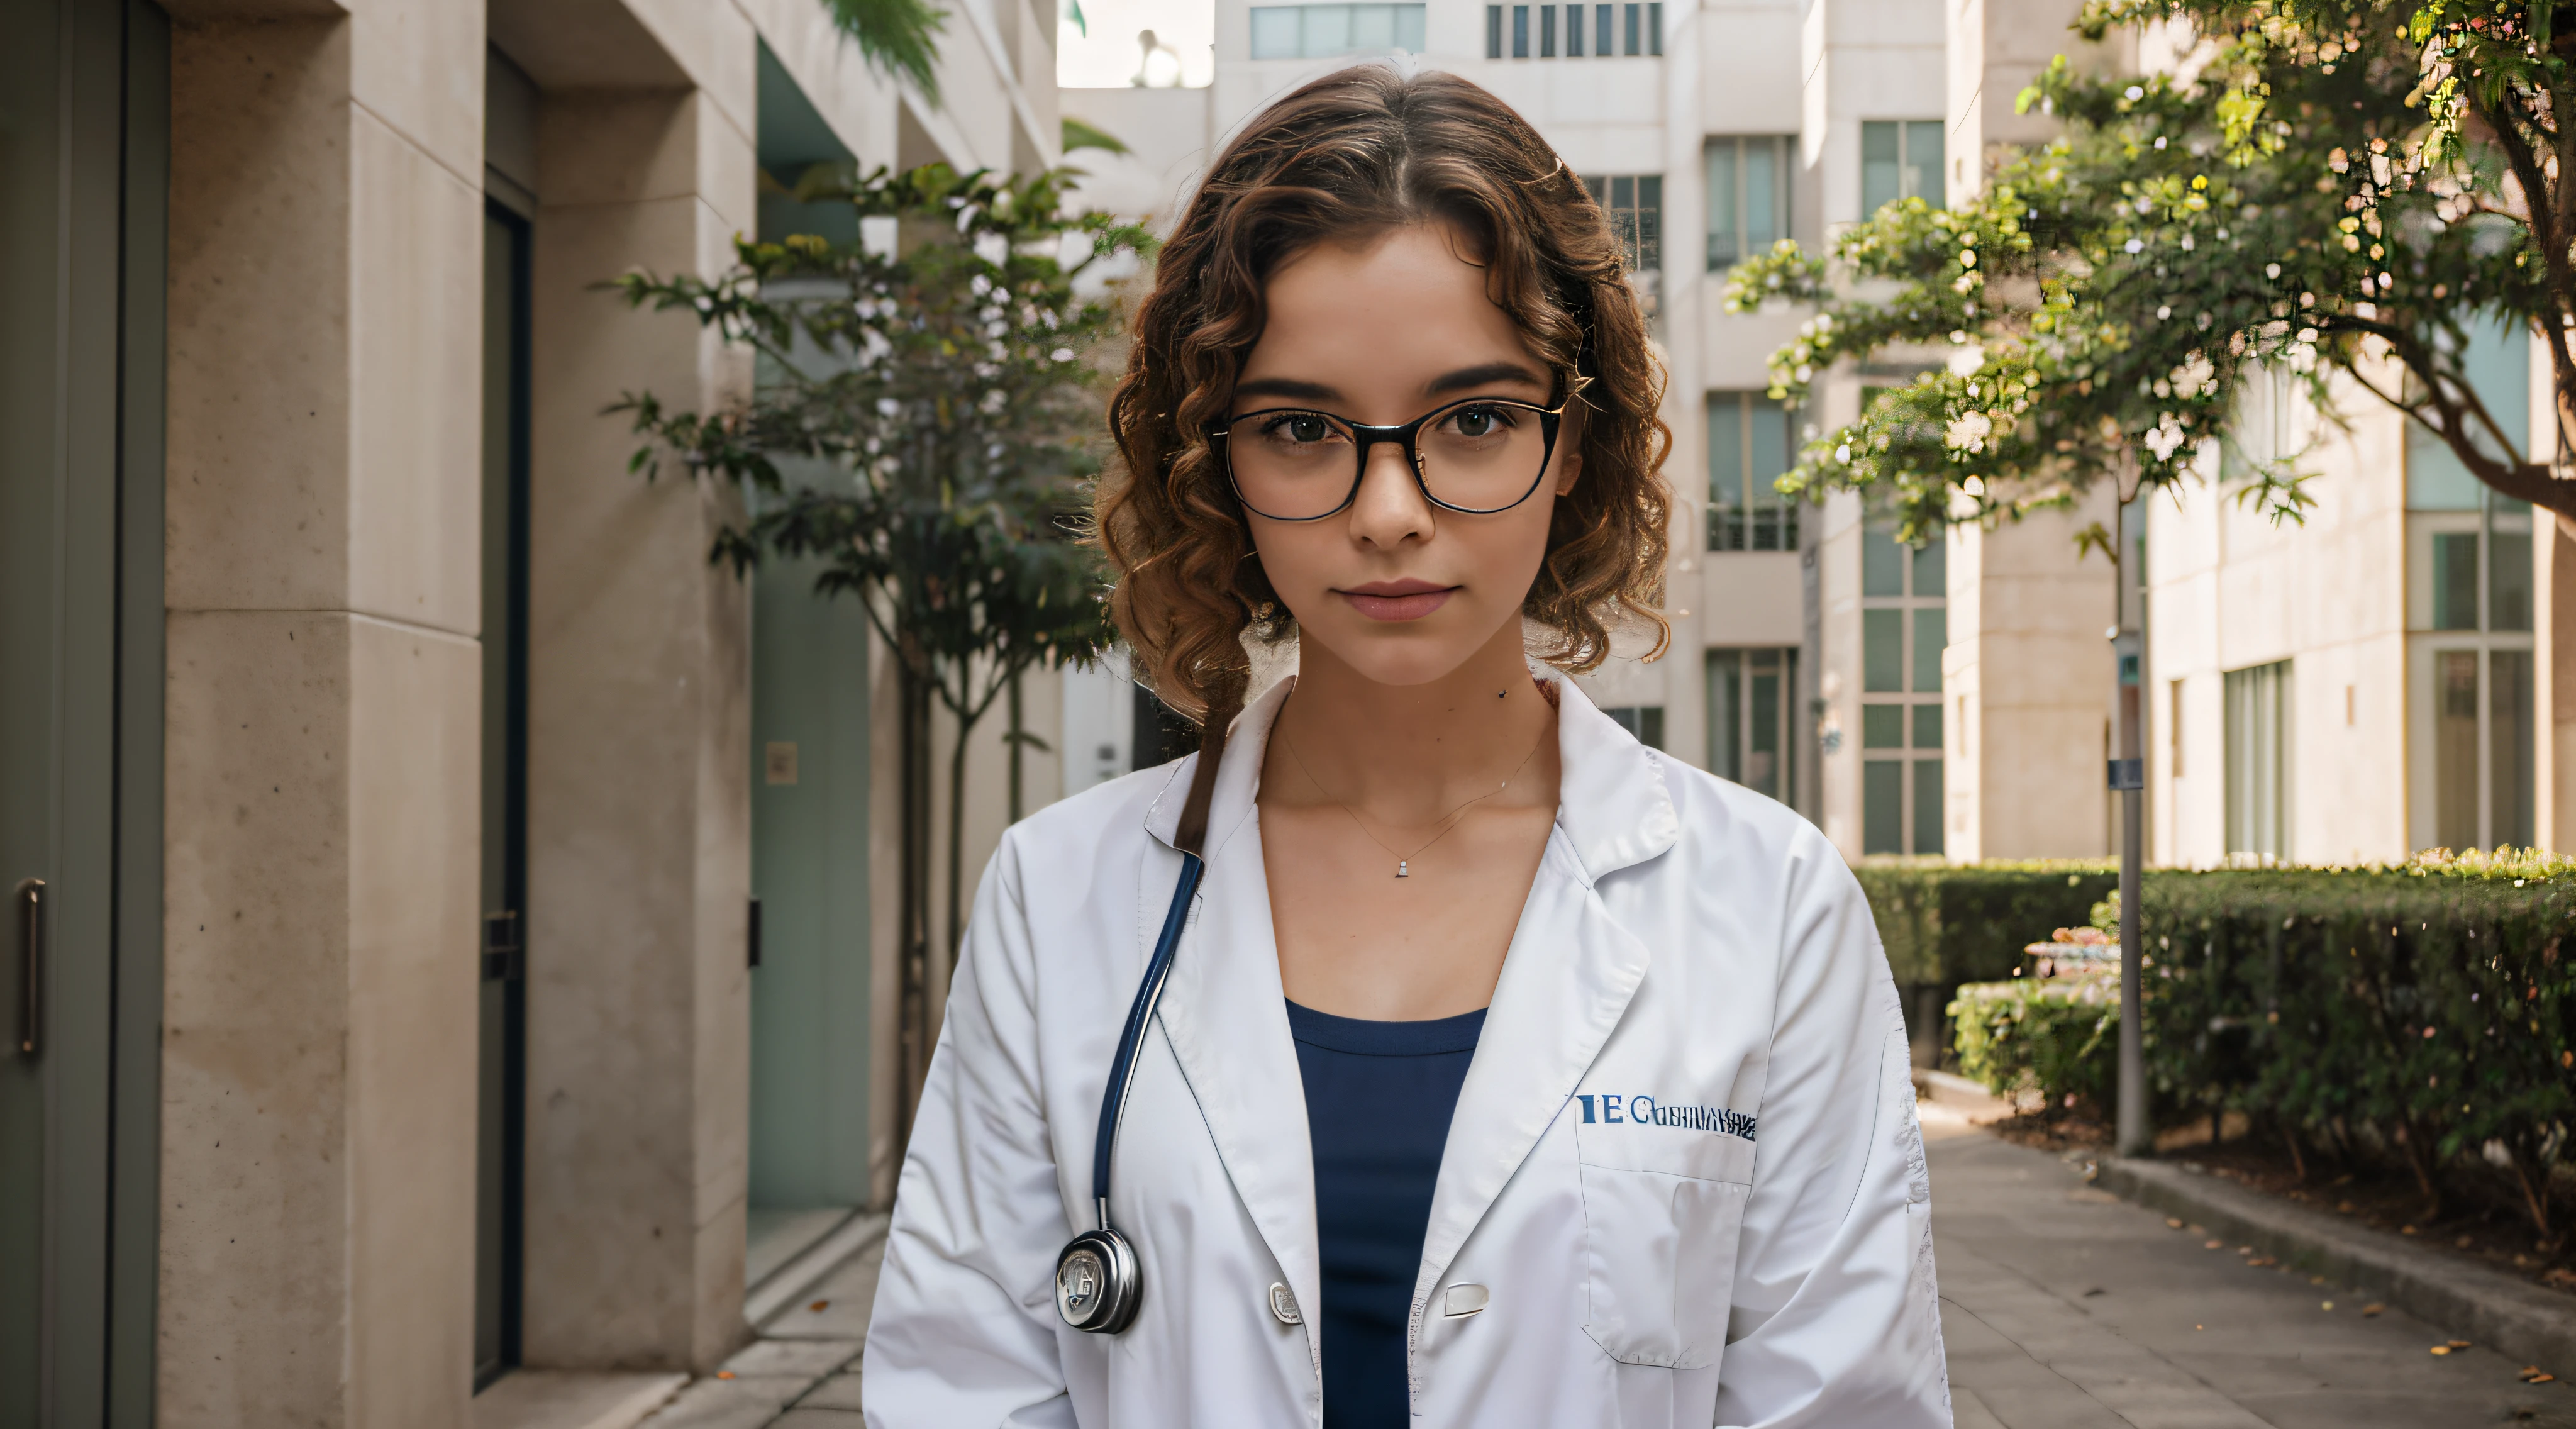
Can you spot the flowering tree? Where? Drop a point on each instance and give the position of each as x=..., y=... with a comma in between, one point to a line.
x=2325, y=188
x=923, y=424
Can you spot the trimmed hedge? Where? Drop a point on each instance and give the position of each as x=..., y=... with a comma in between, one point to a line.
x=2424, y=1013
x=1952, y=923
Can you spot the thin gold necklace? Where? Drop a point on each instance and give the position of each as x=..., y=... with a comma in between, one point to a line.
x=1449, y=821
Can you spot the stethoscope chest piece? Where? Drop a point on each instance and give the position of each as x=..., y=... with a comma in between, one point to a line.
x=1097, y=1287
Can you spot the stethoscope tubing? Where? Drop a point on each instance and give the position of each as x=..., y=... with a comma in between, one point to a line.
x=1140, y=1013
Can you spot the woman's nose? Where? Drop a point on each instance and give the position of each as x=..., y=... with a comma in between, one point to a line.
x=1389, y=508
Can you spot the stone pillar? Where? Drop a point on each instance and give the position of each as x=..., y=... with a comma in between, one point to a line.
x=322, y=825
x=2025, y=677
x=638, y=762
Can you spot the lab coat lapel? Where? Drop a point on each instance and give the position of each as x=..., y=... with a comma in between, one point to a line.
x=1226, y=1015
x=1567, y=977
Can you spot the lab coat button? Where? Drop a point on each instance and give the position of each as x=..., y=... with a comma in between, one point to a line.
x=1463, y=1301
x=1283, y=1306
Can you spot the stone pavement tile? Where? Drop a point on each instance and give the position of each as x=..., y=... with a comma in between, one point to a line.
x=806, y=1360
x=846, y=1295
x=2149, y=1323
x=1967, y=1411
x=2014, y=1390
x=727, y=1404
x=841, y=1391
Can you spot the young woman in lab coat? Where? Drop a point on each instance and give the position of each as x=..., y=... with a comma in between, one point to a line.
x=1508, y=1072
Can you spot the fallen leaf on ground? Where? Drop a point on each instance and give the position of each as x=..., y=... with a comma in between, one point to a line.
x=2212, y=1245
x=2173, y=1223
x=817, y=1306
x=728, y=1374
x=2373, y=1309
x=2458, y=1344
x=2325, y=1305
x=2441, y=1349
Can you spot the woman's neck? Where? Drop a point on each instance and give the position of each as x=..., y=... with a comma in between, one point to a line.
x=1408, y=755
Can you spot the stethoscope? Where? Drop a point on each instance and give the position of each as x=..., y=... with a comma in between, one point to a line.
x=1098, y=1284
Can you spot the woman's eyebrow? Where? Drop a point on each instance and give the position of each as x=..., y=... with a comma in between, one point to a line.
x=1288, y=387
x=1483, y=375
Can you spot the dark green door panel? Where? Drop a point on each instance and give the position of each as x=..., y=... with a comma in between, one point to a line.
x=83, y=145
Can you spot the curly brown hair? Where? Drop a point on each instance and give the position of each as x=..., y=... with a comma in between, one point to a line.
x=1359, y=151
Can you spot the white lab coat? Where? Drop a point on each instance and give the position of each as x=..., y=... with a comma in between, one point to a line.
x=1755, y=1249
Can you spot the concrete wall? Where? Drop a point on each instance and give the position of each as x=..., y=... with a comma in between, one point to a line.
x=324, y=760
x=324, y=723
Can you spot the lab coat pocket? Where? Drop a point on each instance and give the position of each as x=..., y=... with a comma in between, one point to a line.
x=1660, y=1250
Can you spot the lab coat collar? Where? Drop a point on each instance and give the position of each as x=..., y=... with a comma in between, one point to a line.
x=1611, y=803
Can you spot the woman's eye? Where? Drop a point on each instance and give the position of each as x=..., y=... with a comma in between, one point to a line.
x=1480, y=421
x=1298, y=427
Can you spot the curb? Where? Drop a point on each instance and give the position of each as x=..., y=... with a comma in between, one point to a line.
x=2533, y=1325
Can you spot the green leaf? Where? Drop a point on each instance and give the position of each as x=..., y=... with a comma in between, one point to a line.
x=900, y=38
x=1081, y=135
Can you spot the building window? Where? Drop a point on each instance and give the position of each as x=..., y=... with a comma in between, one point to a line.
x=1748, y=451
x=1646, y=722
x=1615, y=30
x=1634, y=205
x=2258, y=763
x=1904, y=627
x=1748, y=197
x=2469, y=598
x=1752, y=697
x=1311, y=32
x=1899, y=159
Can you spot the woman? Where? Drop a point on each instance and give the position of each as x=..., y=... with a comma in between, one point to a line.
x=1506, y=1072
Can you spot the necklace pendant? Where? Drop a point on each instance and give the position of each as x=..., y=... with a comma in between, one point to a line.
x=1399, y=869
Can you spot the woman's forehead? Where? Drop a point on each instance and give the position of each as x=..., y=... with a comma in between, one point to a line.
x=1404, y=309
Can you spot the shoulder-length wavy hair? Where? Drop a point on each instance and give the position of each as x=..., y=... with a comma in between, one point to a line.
x=1357, y=152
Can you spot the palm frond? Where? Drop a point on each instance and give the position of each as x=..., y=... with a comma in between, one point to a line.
x=899, y=37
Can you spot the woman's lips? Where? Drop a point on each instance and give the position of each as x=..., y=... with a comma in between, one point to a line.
x=1398, y=600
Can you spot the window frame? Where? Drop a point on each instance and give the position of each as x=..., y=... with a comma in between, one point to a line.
x=1737, y=147
x=1920, y=816
x=1305, y=50
x=1732, y=728
x=1907, y=133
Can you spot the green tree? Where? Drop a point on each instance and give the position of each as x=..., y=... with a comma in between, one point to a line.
x=2326, y=188
x=923, y=423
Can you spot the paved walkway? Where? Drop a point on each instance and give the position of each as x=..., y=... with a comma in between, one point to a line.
x=2063, y=1308
x=2066, y=1308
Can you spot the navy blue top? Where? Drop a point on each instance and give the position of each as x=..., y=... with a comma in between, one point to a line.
x=1379, y=1096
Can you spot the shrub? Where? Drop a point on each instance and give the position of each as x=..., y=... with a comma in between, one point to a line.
x=2050, y=1036
x=1948, y=924
x=2429, y=1009
x=2427, y=1012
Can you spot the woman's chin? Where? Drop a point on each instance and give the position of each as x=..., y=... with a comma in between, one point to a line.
x=1393, y=653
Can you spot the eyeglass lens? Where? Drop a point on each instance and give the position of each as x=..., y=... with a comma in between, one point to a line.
x=1297, y=465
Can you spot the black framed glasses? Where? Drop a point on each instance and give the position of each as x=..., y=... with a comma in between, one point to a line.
x=1477, y=456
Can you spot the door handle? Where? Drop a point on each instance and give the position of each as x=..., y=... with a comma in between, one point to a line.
x=28, y=903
